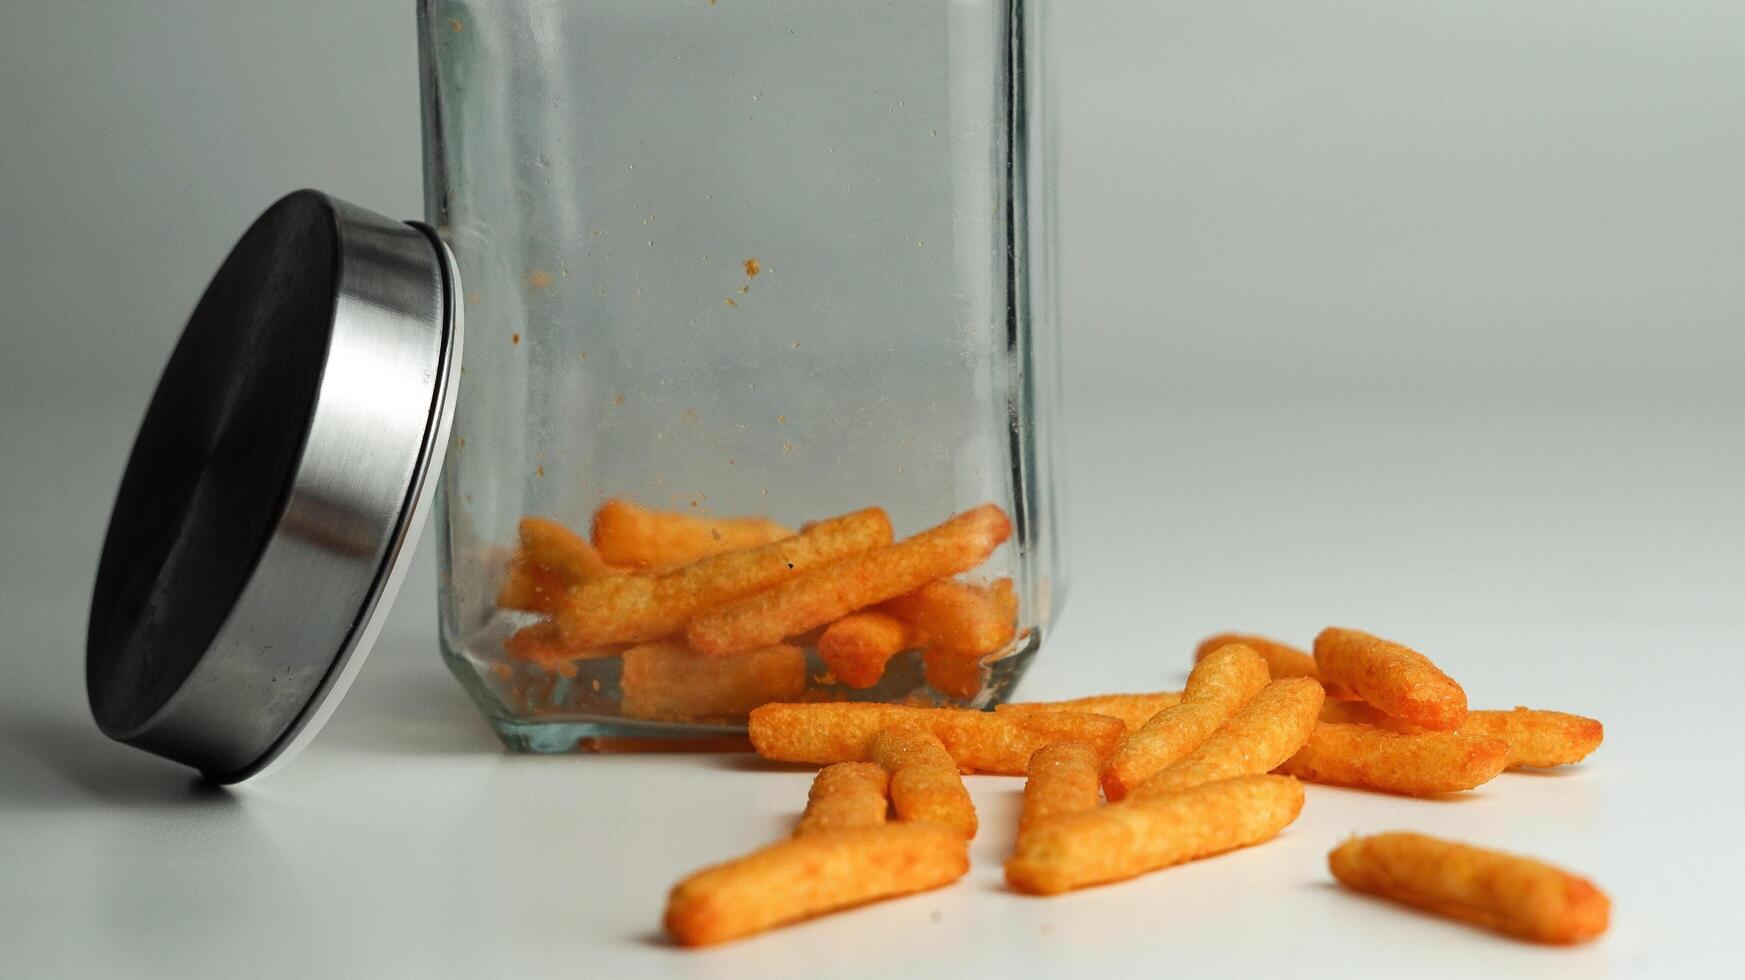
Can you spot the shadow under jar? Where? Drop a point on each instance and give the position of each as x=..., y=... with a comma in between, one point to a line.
x=733, y=271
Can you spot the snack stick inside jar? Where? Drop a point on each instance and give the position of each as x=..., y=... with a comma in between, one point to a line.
x=634, y=536
x=553, y=545
x=857, y=647
x=530, y=587
x=825, y=594
x=542, y=643
x=972, y=620
x=665, y=681
x=953, y=673
x=638, y=608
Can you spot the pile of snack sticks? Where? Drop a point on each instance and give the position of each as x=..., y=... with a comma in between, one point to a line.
x=1187, y=775
x=710, y=616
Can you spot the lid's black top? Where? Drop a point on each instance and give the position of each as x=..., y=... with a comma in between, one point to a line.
x=212, y=463
x=266, y=497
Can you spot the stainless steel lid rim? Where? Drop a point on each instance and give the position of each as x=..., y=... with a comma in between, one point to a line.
x=414, y=511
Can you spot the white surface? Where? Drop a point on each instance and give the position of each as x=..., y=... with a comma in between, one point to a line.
x=1582, y=562
x=1423, y=320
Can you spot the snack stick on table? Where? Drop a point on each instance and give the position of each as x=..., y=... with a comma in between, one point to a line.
x=1063, y=780
x=1392, y=677
x=1269, y=729
x=665, y=681
x=1282, y=659
x=1339, y=712
x=639, y=537
x=1134, y=710
x=925, y=783
x=978, y=741
x=845, y=796
x=825, y=594
x=1129, y=838
x=638, y=608
x=811, y=875
x=1220, y=685
x=1504, y=892
x=856, y=647
x=1537, y=739
x=973, y=620
x=1420, y=764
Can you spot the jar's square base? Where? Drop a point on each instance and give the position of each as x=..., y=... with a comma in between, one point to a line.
x=533, y=708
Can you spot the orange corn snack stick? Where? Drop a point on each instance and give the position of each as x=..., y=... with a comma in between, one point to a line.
x=1337, y=712
x=1537, y=739
x=638, y=537
x=542, y=643
x=1503, y=892
x=1282, y=659
x=666, y=682
x=811, y=875
x=636, y=608
x=1396, y=679
x=1125, y=839
x=857, y=646
x=925, y=784
x=1062, y=781
x=553, y=545
x=979, y=741
x=536, y=644
x=1419, y=764
x=822, y=595
x=963, y=624
x=972, y=620
x=1134, y=710
x=530, y=587
x=1269, y=729
x=845, y=796
x=550, y=558
x=952, y=673
x=1220, y=685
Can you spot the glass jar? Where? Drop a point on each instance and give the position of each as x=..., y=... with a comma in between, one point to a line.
x=731, y=270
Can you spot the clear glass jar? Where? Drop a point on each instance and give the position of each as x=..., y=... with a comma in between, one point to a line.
x=760, y=258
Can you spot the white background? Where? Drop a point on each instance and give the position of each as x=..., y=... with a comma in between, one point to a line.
x=1421, y=320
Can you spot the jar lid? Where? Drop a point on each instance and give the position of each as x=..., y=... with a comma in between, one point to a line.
x=276, y=488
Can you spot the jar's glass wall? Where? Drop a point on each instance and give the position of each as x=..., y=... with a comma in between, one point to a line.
x=764, y=257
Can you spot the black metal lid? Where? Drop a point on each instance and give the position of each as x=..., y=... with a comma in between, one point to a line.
x=280, y=477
